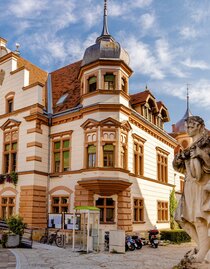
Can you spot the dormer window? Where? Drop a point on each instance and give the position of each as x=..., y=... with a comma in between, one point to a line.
x=92, y=82
x=109, y=82
x=62, y=99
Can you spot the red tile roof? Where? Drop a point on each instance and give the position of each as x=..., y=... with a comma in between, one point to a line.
x=140, y=97
x=65, y=80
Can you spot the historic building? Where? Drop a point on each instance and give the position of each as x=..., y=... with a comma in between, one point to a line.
x=77, y=136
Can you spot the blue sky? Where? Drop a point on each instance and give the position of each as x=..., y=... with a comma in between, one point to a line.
x=167, y=40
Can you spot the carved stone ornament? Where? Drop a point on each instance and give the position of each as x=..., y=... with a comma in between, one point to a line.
x=2, y=75
x=193, y=212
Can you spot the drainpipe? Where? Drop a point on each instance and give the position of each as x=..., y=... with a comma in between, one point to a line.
x=49, y=112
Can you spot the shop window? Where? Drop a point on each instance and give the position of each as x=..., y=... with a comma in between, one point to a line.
x=138, y=214
x=162, y=167
x=138, y=159
x=92, y=83
x=91, y=150
x=108, y=155
x=107, y=209
x=60, y=204
x=61, y=155
x=7, y=207
x=109, y=82
x=162, y=211
x=10, y=151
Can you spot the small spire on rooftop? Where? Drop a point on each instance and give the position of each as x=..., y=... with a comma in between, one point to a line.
x=105, y=32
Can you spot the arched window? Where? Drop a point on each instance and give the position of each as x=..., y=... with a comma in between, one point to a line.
x=92, y=84
x=109, y=82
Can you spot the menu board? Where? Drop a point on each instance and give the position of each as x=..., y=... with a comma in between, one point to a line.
x=55, y=221
x=69, y=221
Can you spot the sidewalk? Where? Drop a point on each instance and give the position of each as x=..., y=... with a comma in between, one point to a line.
x=51, y=257
x=7, y=259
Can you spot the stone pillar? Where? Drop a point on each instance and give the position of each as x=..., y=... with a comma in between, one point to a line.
x=124, y=216
x=83, y=197
x=33, y=205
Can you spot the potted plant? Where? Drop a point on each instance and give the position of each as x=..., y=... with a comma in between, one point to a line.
x=16, y=229
x=14, y=177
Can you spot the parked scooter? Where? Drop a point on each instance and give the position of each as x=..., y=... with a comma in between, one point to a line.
x=130, y=244
x=138, y=241
x=153, y=239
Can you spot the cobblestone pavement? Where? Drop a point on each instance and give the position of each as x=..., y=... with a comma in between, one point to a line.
x=7, y=259
x=51, y=257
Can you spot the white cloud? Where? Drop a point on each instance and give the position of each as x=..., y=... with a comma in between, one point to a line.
x=198, y=92
x=163, y=53
x=147, y=21
x=23, y=9
x=188, y=32
x=196, y=64
x=142, y=60
x=140, y=3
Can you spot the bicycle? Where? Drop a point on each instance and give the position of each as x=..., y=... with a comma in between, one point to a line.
x=44, y=237
x=53, y=237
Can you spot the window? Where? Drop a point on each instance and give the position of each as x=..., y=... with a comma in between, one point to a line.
x=109, y=82
x=138, y=159
x=123, y=84
x=123, y=157
x=92, y=82
x=162, y=211
x=138, y=214
x=60, y=204
x=10, y=151
x=61, y=155
x=162, y=166
x=7, y=207
x=91, y=156
x=62, y=99
x=108, y=155
x=10, y=104
x=107, y=209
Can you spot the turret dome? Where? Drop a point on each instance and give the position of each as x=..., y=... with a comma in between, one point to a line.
x=105, y=48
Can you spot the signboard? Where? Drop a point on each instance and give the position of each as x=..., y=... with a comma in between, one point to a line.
x=69, y=221
x=55, y=221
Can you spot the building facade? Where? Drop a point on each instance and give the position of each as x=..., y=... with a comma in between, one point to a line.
x=77, y=137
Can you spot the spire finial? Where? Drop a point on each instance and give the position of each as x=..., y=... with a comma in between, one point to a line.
x=188, y=97
x=105, y=30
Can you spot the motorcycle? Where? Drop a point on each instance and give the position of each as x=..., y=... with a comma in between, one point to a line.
x=138, y=241
x=153, y=239
x=130, y=244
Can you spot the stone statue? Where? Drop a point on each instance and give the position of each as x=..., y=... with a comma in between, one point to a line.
x=193, y=212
